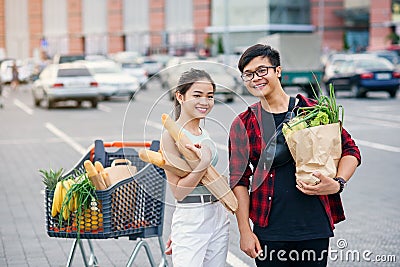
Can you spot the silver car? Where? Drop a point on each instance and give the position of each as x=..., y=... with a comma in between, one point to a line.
x=113, y=81
x=136, y=70
x=62, y=82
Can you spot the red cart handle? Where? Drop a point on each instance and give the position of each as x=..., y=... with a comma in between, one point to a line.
x=121, y=144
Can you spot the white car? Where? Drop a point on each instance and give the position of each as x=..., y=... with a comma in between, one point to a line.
x=66, y=81
x=151, y=65
x=24, y=70
x=136, y=70
x=333, y=64
x=113, y=81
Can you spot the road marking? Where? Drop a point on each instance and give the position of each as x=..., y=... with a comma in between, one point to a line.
x=77, y=147
x=378, y=146
x=232, y=260
x=154, y=124
x=372, y=122
x=386, y=117
x=104, y=108
x=22, y=106
x=6, y=92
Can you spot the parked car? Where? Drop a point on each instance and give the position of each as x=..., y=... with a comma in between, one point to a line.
x=5, y=70
x=332, y=65
x=226, y=78
x=152, y=66
x=392, y=56
x=125, y=57
x=161, y=58
x=95, y=57
x=62, y=82
x=113, y=81
x=136, y=70
x=59, y=58
x=363, y=73
x=24, y=70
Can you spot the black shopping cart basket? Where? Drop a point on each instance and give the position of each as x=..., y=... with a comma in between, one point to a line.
x=133, y=207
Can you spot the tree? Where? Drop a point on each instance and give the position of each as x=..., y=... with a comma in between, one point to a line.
x=220, y=45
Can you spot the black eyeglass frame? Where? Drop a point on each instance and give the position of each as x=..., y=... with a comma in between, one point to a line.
x=256, y=72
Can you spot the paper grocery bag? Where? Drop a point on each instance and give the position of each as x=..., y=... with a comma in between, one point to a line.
x=316, y=148
x=120, y=169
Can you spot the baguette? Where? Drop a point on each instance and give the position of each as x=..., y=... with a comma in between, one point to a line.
x=170, y=163
x=212, y=180
x=94, y=176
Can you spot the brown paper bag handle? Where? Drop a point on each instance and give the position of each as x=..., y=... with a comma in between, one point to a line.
x=121, y=161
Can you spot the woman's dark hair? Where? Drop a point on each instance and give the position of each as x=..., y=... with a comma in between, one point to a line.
x=187, y=79
x=259, y=50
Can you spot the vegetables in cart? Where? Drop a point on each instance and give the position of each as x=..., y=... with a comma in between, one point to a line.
x=50, y=178
x=79, y=199
x=73, y=198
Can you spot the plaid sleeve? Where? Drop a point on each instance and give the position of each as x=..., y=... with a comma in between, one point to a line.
x=238, y=146
x=349, y=147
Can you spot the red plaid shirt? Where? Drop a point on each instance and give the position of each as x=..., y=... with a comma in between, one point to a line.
x=244, y=155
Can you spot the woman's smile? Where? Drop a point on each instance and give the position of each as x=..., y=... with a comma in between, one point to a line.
x=202, y=109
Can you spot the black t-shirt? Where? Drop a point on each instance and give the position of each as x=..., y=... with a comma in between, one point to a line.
x=294, y=215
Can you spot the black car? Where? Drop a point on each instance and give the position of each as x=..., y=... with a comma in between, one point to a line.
x=361, y=74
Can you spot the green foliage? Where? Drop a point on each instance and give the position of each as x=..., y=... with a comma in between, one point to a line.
x=50, y=178
x=326, y=111
x=220, y=45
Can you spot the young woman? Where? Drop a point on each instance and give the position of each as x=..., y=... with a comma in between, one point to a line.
x=199, y=230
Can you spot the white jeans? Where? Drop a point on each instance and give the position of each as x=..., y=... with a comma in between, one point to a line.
x=200, y=235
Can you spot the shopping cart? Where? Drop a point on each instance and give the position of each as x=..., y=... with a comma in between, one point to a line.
x=132, y=208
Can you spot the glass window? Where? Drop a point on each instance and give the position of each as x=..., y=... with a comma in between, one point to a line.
x=73, y=72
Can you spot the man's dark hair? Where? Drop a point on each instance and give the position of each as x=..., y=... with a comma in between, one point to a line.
x=259, y=50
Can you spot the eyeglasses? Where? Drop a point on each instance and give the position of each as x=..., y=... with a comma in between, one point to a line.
x=262, y=71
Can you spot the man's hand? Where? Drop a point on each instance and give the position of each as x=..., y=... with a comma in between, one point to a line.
x=250, y=245
x=327, y=186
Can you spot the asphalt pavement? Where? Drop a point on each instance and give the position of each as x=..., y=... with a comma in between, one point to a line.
x=29, y=141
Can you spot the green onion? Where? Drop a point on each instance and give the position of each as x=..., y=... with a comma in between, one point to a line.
x=314, y=115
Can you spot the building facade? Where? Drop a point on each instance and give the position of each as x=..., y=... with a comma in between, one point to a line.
x=29, y=28
x=100, y=26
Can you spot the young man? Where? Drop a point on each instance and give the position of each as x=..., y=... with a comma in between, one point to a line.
x=292, y=222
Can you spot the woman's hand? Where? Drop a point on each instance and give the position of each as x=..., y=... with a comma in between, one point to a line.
x=327, y=186
x=203, y=152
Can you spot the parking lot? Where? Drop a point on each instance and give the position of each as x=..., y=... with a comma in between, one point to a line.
x=34, y=138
